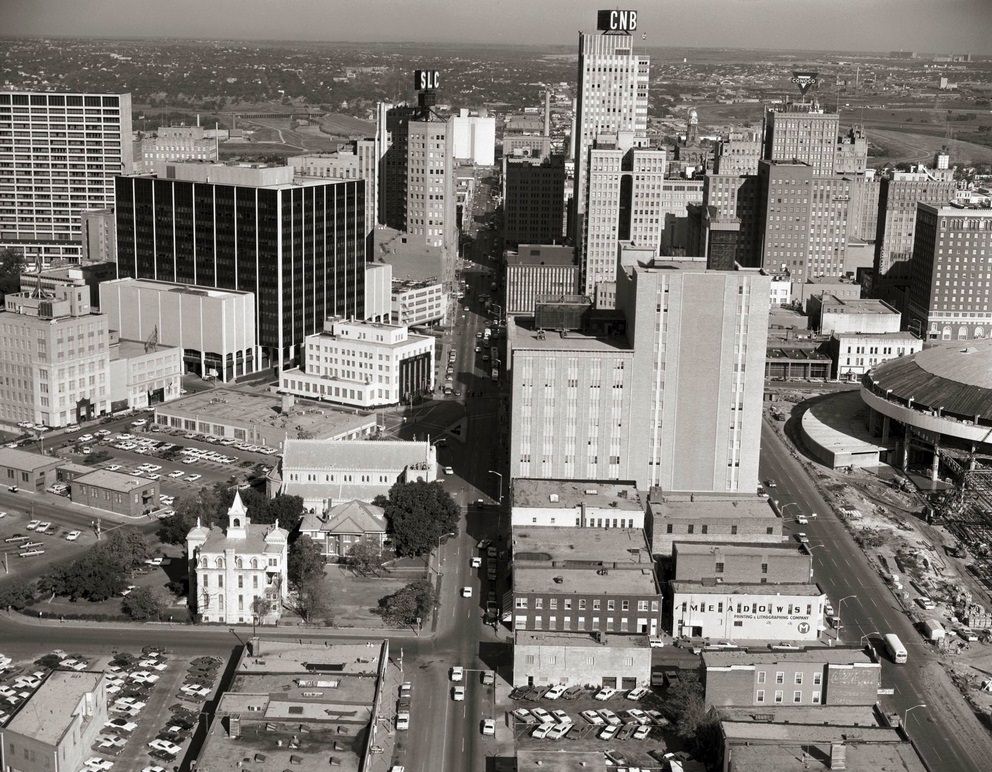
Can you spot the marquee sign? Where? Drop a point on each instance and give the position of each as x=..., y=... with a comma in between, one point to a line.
x=616, y=21
x=426, y=80
x=805, y=80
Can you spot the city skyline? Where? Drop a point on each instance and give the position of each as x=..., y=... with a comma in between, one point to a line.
x=953, y=25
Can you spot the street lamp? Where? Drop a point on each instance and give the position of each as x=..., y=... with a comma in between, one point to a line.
x=840, y=617
x=449, y=533
x=865, y=636
x=500, y=494
x=783, y=507
x=905, y=716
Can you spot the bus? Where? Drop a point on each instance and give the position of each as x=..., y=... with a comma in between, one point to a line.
x=895, y=648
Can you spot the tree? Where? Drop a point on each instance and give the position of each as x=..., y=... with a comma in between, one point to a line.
x=126, y=548
x=311, y=600
x=16, y=596
x=365, y=558
x=306, y=562
x=93, y=576
x=418, y=514
x=408, y=604
x=143, y=604
x=261, y=607
x=11, y=265
x=685, y=707
x=204, y=504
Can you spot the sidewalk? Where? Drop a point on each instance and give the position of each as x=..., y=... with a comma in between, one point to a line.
x=302, y=631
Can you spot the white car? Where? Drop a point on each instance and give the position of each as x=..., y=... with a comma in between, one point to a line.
x=139, y=422
x=457, y=673
x=474, y=562
x=121, y=724
x=72, y=535
x=802, y=520
x=488, y=727
x=636, y=694
x=3, y=515
x=98, y=765
x=129, y=589
x=178, y=473
x=554, y=692
x=592, y=717
x=114, y=467
x=155, y=561
x=165, y=746
x=449, y=470
x=458, y=693
x=403, y=720
x=84, y=438
x=605, y=693
x=542, y=715
x=156, y=768
x=466, y=592
x=193, y=477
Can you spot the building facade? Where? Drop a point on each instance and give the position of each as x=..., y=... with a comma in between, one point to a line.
x=29, y=472
x=213, y=329
x=299, y=248
x=363, y=364
x=699, y=517
x=533, y=200
x=854, y=354
x=539, y=270
x=378, y=292
x=143, y=374
x=582, y=504
x=173, y=143
x=59, y=154
x=474, y=137
x=801, y=132
x=239, y=574
x=950, y=292
x=343, y=526
x=54, y=357
x=738, y=153
x=115, y=492
x=418, y=303
x=99, y=236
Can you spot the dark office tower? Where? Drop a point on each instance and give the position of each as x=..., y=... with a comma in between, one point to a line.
x=299, y=247
x=534, y=200
x=393, y=164
x=784, y=191
x=729, y=218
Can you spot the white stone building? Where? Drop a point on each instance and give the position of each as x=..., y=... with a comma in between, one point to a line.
x=230, y=569
x=362, y=364
x=418, y=303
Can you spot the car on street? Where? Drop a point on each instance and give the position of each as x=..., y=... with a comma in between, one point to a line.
x=449, y=470
x=605, y=693
x=802, y=537
x=555, y=692
x=770, y=484
x=457, y=673
x=403, y=720
x=488, y=678
x=406, y=689
x=72, y=535
x=458, y=693
x=802, y=520
x=656, y=643
x=491, y=573
x=466, y=592
x=475, y=562
x=488, y=727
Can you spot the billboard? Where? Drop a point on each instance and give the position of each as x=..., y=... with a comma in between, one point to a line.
x=805, y=80
x=426, y=80
x=616, y=21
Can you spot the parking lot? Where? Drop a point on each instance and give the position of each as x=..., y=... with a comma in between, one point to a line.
x=25, y=540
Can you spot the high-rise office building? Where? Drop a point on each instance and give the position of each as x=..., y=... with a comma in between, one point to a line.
x=739, y=153
x=612, y=98
x=898, y=197
x=98, y=231
x=950, y=286
x=533, y=200
x=59, y=154
x=668, y=394
x=358, y=161
x=729, y=220
x=298, y=246
x=802, y=132
x=623, y=203
x=173, y=143
x=852, y=152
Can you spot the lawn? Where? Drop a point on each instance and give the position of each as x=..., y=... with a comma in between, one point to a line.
x=352, y=598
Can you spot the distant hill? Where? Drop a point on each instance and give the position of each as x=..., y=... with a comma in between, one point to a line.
x=346, y=126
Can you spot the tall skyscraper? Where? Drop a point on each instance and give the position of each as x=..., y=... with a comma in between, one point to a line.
x=802, y=132
x=624, y=203
x=299, y=246
x=612, y=98
x=673, y=401
x=533, y=200
x=950, y=286
x=59, y=154
x=739, y=153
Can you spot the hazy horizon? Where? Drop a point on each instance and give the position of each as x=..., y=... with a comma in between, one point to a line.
x=931, y=26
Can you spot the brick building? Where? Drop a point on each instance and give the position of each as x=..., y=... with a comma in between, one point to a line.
x=736, y=562
x=709, y=517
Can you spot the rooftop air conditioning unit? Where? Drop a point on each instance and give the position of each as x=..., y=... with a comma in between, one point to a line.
x=553, y=498
x=591, y=491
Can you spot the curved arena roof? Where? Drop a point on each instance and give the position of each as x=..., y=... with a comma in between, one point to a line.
x=955, y=379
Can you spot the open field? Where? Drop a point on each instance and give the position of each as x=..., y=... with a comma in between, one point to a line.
x=352, y=598
x=346, y=125
x=907, y=146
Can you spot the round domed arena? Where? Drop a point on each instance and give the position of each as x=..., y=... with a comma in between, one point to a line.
x=933, y=404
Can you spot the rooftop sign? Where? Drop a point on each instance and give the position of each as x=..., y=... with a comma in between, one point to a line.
x=805, y=80
x=426, y=80
x=617, y=21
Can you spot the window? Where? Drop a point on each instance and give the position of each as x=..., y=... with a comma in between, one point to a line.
x=797, y=696
x=778, y=696
x=760, y=697
x=780, y=677
x=761, y=676
x=815, y=698
x=719, y=568
x=817, y=678
x=521, y=603
x=799, y=679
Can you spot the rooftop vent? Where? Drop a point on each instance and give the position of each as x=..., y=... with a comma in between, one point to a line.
x=591, y=491
x=558, y=579
x=553, y=498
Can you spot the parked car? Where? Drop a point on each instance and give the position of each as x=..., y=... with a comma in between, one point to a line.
x=555, y=692
x=457, y=673
x=609, y=732
x=605, y=693
x=458, y=693
x=592, y=717
x=403, y=720
x=488, y=727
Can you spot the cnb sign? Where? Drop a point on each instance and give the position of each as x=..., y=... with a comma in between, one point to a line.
x=805, y=80
x=617, y=21
x=426, y=80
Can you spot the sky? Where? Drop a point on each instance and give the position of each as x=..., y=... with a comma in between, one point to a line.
x=851, y=25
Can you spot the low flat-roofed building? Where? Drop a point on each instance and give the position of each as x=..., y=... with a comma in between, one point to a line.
x=579, y=547
x=855, y=353
x=31, y=472
x=418, y=303
x=566, y=657
x=561, y=760
x=735, y=562
x=761, y=746
x=262, y=419
x=55, y=727
x=325, y=473
x=589, y=504
x=539, y=270
x=747, y=612
x=143, y=374
x=124, y=494
x=830, y=314
x=817, y=676
x=305, y=707
x=705, y=517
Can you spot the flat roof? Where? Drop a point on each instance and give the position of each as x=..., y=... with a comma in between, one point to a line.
x=715, y=506
x=736, y=548
x=289, y=657
x=568, y=494
x=617, y=581
x=168, y=286
x=115, y=481
x=836, y=423
x=835, y=305
x=522, y=334
x=837, y=715
x=235, y=407
x=51, y=710
x=130, y=349
x=550, y=638
x=810, y=589
x=818, y=654
x=355, y=454
x=563, y=544
x=541, y=254
x=901, y=335
x=22, y=460
x=787, y=733
x=410, y=260
x=889, y=755
x=560, y=760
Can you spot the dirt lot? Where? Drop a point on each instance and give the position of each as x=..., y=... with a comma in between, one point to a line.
x=353, y=597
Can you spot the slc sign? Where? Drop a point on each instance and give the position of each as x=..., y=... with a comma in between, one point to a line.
x=617, y=21
x=426, y=80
